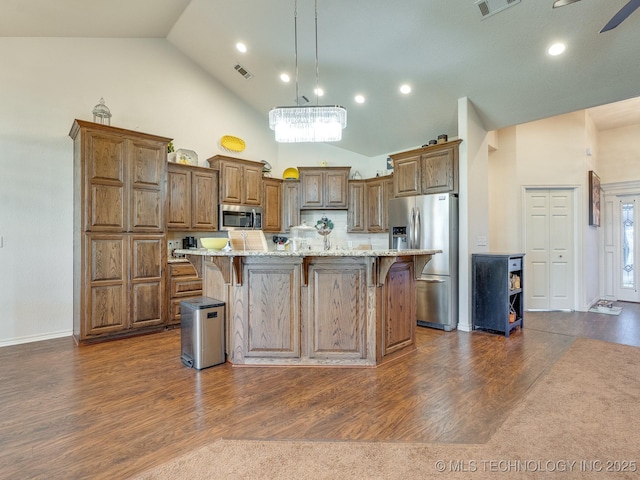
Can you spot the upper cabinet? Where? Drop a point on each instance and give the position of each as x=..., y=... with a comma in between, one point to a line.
x=240, y=180
x=378, y=193
x=368, y=205
x=290, y=204
x=120, y=176
x=432, y=169
x=324, y=188
x=356, y=215
x=272, y=220
x=192, y=198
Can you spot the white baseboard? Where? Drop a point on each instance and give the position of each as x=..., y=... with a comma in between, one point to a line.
x=35, y=338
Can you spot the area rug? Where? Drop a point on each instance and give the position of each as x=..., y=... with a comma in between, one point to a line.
x=579, y=420
x=606, y=310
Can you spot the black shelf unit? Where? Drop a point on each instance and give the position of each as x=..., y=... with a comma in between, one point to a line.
x=497, y=289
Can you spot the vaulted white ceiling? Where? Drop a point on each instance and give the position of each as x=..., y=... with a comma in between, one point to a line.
x=444, y=49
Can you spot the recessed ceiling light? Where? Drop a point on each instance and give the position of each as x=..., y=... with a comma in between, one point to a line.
x=405, y=89
x=556, y=49
x=241, y=47
x=318, y=92
x=285, y=77
x=359, y=98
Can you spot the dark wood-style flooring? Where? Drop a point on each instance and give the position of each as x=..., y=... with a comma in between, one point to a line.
x=114, y=409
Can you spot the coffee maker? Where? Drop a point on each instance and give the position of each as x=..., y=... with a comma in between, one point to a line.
x=189, y=242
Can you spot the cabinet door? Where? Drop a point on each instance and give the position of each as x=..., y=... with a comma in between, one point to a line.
x=407, y=176
x=312, y=189
x=178, y=198
x=399, y=308
x=388, y=195
x=356, y=218
x=272, y=221
x=268, y=330
x=252, y=185
x=439, y=171
x=375, y=206
x=204, y=200
x=336, y=296
x=230, y=182
x=105, y=205
x=147, y=288
x=335, y=185
x=104, y=306
x=147, y=167
x=291, y=204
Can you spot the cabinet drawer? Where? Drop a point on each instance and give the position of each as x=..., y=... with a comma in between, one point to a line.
x=181, y=287
x=515, y=264
x=174, y=307
x=182, y=269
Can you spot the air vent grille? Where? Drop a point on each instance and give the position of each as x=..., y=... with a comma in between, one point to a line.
x=491, y=7
x=243, y=71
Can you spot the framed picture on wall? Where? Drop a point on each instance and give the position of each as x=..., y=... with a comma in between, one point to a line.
x=594, y=199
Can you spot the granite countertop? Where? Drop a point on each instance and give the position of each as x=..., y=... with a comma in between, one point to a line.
x=306, y=253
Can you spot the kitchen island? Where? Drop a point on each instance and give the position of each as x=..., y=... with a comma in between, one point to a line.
x=337, y=307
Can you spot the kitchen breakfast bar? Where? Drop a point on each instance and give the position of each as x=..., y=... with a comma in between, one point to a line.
x=331, y=308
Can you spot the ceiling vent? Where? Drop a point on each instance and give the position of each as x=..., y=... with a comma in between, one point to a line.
x=243, y=71
x=491, y=7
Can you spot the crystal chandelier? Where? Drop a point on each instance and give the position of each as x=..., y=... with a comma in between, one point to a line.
x=307, y=123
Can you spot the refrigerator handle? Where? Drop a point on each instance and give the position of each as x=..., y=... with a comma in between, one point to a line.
x=412, y=222
x=418, y=229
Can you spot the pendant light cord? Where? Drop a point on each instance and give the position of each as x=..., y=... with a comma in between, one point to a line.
x=317, y=74
x=295, y=33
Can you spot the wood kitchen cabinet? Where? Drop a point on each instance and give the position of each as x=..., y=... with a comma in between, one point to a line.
x=184, y=284
x=122, y=285
x=273, y=214
x=378, y=193
x=324, y=188
x=121, y=179
x=368, y=205
x=356, y=214
x=192, y=198
x=240, y=180
x=119, y=231
x=290, y=204
x=432, y=169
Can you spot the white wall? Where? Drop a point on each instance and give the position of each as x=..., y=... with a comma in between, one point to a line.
x=549, y=153
x=473, y=201
x=45, y=84
x=619, y=154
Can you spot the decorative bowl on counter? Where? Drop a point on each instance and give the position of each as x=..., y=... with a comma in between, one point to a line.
x=213, y=243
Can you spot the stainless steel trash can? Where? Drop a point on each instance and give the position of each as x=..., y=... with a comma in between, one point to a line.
x=202, y=332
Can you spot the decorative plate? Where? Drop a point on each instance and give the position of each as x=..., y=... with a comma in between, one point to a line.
x=232, y=144
x=184, y=156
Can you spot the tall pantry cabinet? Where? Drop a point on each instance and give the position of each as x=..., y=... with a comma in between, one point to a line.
x=119, y=231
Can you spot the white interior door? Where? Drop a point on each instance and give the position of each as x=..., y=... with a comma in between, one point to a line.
x=549, y=248
x=626, y=247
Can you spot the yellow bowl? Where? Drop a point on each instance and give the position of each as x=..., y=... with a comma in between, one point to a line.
x=212, y=243
x=291, y=173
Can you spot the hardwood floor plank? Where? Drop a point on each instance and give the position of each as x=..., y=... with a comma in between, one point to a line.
x=114, y=409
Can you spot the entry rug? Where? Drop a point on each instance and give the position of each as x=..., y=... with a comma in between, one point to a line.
x=606, y=310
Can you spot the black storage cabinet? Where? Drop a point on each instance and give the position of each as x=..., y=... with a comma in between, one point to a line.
x=494, y=294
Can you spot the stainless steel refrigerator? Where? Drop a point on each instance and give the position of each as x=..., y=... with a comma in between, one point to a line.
x=431, y=222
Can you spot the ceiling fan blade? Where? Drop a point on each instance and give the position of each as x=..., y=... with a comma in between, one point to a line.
x=562, y=3
x=619, y=17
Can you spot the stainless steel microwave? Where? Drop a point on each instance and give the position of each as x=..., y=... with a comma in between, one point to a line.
x=233, y=217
